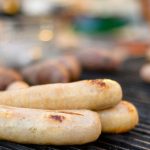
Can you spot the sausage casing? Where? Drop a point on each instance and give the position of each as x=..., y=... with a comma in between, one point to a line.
x=121, y=118
x=34, y=126
x=100, y=59
x=87, y=94
x=46, y=72
x=17, y=85
x=73, y=66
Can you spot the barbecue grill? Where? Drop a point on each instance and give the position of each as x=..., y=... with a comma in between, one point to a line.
x=135, y=91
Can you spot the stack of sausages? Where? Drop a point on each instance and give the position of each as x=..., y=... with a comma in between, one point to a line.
x=64, y=113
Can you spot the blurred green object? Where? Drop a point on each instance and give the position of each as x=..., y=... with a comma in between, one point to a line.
x=98, y=25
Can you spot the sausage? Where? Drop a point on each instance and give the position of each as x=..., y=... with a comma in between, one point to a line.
x=17, y=85
x=119, y=119
x=87, y=94
x=7, y=76
x=73, y=66
x=61, y=127
x=145, y=73
x=99, y=60
x=46, y=72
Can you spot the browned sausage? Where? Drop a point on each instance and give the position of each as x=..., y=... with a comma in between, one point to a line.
x=73, y=66
x=46, y=72
x=7, y=76
x=99, y=60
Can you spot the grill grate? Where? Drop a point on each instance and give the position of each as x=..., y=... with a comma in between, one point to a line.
x=134, y=90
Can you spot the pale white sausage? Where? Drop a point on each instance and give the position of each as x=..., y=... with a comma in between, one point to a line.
x=17, y=85
x=88, y=94
x=61, y=127
x=121, y=118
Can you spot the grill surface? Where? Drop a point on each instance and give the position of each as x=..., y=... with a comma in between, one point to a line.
x=135, y=91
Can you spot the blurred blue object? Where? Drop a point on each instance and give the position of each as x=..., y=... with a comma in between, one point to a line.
x=96, y=25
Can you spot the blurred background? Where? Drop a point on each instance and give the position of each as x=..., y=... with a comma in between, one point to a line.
x=36, y=29
x=102, y=35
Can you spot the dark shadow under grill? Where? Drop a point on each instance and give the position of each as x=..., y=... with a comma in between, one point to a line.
x=135, y=91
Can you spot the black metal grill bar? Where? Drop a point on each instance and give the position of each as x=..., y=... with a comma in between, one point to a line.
x=137, y=137
x=144, y=126
x=110, y=146
x=125, y=143
x=4, y=148
x=74, y=148
x=144, y=142
x=43, y=147
x=95, y=148
x=142, y=136
x=50, y=148
x=92, y=148
x=14, y=146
